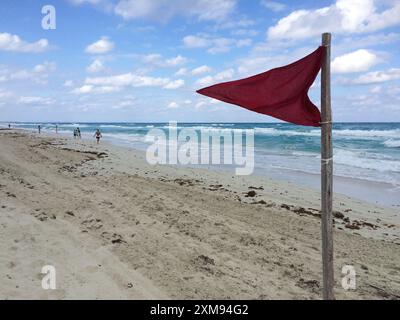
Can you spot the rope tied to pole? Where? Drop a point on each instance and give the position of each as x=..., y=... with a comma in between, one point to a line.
x=326, y=161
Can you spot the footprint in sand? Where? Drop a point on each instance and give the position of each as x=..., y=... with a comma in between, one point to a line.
x=92, y=223
x=70, y=213
x=43, y=216
x=114, y=238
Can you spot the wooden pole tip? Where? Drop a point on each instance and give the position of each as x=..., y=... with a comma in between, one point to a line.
x=326, y=38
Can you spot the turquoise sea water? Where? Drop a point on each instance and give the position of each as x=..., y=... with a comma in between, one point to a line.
x=368, y=153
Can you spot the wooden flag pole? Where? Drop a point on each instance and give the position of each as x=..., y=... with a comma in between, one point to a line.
x=326, y=172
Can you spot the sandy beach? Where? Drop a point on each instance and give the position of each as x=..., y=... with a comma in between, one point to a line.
x=116, y=227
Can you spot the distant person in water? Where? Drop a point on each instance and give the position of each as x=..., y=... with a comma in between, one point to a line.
x=98, y=135
x=9, y=126
x=56, y=128
x=39, y=128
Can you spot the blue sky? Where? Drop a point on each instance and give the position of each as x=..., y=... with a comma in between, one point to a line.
x=143, y=60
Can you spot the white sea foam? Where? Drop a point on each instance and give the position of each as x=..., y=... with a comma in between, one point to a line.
x=360, y=160
x=369, y=133
x=74, y=125
x=278, y=132
x=343, y=133
x=311, y=133
x=126, y=137
x=112, y=126
x=203, y=128
x=305, y=154
x=392, y=143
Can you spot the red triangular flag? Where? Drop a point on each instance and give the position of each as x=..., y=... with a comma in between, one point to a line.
x=280, y=92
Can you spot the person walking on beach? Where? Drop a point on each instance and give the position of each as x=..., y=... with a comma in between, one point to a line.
x=78, y=133
x=98, y=135
x=9, y=126
x=56, y=128
x=39, y=128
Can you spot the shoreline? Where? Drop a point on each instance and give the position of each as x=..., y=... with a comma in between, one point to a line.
x=219, y=171
x=186, y=233
x=358, y=188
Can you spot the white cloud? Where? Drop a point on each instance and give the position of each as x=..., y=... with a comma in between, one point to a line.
x=11, y=42
x=245, y=32
x=153, y=58
x=96, y=66
x=376, y=89
x=203, y=102
x=234, y=24
x=344, y=16
x=121, y=80
x=100, y=47
x=68, y=83
x=177, y=61
x=84, y=89
x=45, y=67
x=378, y=76
x=243, y=43
x=273, y=5
x=216, y=10
x=356, y=61
x=128, y=102
x=107, y=89
x=201, y=70
x=176, y=84
x=5, y=94
x=105, y=5
x=115, y=83
x=221, y=45
x=29, y=100
x=172, y=105
x=181, y=72
x=38, y=73
x=87, y=88
x=224, y=75
x=200, y=104
x=195, y=42
x=79, y=2
x=127, y=79
x=157, y=60
x=163, y=10
x=370, y=40
x=221, y=76
x=214, y=44
x=256, y=64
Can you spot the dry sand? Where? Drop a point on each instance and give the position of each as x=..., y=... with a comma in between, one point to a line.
x=115, y=227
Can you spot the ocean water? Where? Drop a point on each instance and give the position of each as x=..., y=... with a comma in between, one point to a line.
x=366, y=155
